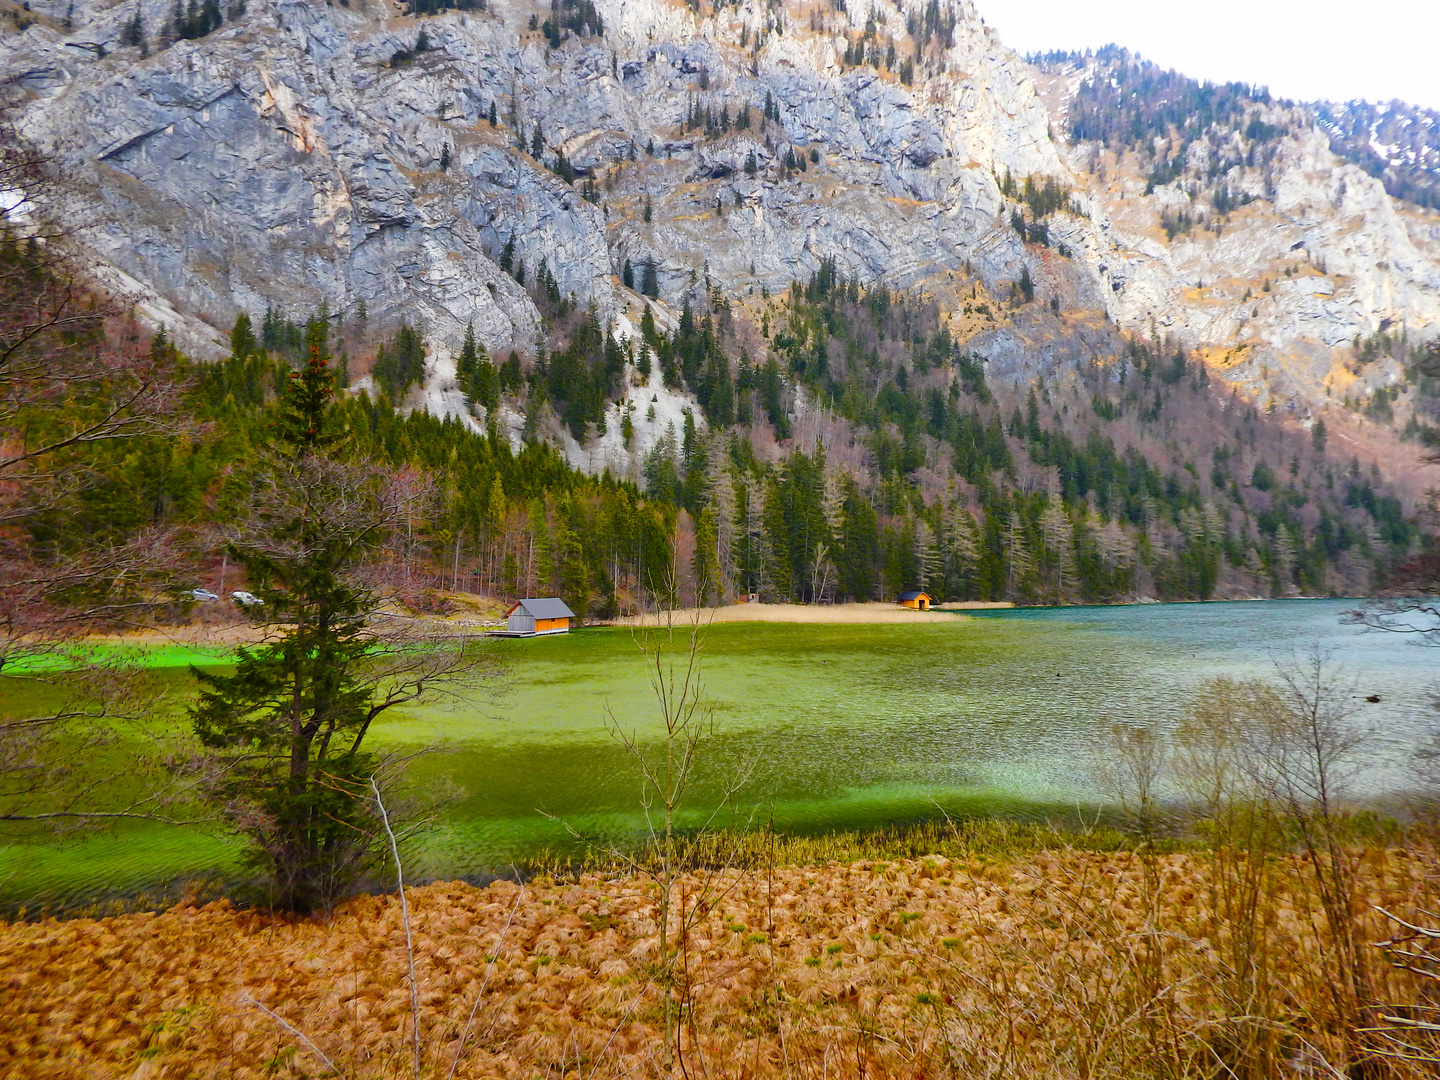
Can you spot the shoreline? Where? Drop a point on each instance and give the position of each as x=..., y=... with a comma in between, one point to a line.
x=228, y=634
x=873, y=613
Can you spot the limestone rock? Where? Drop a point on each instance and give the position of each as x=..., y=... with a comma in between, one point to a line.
x=293, y=157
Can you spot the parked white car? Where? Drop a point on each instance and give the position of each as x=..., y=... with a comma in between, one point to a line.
x=247, y=598
x=203, y=594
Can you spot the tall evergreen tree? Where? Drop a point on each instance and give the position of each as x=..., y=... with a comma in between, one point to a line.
x=402, y=364
x=479, y=381
x=289, y=723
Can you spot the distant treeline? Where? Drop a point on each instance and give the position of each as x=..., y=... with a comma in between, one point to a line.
x=867, y=452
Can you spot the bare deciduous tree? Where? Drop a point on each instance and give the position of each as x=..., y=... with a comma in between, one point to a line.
x=74, y=377
x=1410, y=1033
x=668, y=770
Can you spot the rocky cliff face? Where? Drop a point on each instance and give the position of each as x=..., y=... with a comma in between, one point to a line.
x=305, y=153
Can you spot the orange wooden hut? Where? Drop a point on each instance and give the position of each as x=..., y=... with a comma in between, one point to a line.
x=915, y=600
x=538, y=615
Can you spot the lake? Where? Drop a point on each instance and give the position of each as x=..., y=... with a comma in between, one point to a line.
x=839, y=727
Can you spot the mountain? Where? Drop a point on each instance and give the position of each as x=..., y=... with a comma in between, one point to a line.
x=884, y=299
x=293, y=154
x=1293, y=272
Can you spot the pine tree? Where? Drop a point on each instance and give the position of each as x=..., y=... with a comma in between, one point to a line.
x=706, y=561
x=303, y=419
x=467, y=364
x=133, y=35
x=242, y=339
x=1025, y=287
x=290, y=722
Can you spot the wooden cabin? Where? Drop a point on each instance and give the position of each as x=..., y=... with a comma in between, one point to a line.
x=537, y=616
x=915, y=600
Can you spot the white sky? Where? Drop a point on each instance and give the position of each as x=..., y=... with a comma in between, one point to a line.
x=1375, y=49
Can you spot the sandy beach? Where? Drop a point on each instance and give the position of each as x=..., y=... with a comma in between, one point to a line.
x=232, y=632
x=809, y=613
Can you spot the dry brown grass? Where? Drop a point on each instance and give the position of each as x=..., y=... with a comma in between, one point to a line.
x=1055, y=964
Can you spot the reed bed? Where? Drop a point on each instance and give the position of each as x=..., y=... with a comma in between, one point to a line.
x=1042, y=963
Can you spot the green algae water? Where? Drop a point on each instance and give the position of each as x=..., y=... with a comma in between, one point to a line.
x=835, y=727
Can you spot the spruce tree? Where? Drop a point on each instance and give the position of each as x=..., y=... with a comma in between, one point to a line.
x=468, y=363
x=134, y=33
x=402, y=364
x=289, y=723
x=242, y=339
x=476, y=374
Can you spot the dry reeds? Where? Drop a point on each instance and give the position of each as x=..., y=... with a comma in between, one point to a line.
x=1056, y=963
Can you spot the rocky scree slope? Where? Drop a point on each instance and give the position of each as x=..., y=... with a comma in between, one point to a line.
x=304, y=153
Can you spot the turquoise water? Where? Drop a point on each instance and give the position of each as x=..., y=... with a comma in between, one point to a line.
x=1179, y=645
x=834, y=727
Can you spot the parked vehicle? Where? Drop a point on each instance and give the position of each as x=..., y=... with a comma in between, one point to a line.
x=248, y=599
x=203, y=594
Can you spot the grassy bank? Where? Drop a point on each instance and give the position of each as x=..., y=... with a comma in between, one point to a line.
x=1004, y=951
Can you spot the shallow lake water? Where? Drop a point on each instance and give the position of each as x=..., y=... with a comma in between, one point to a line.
x=839, y=727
